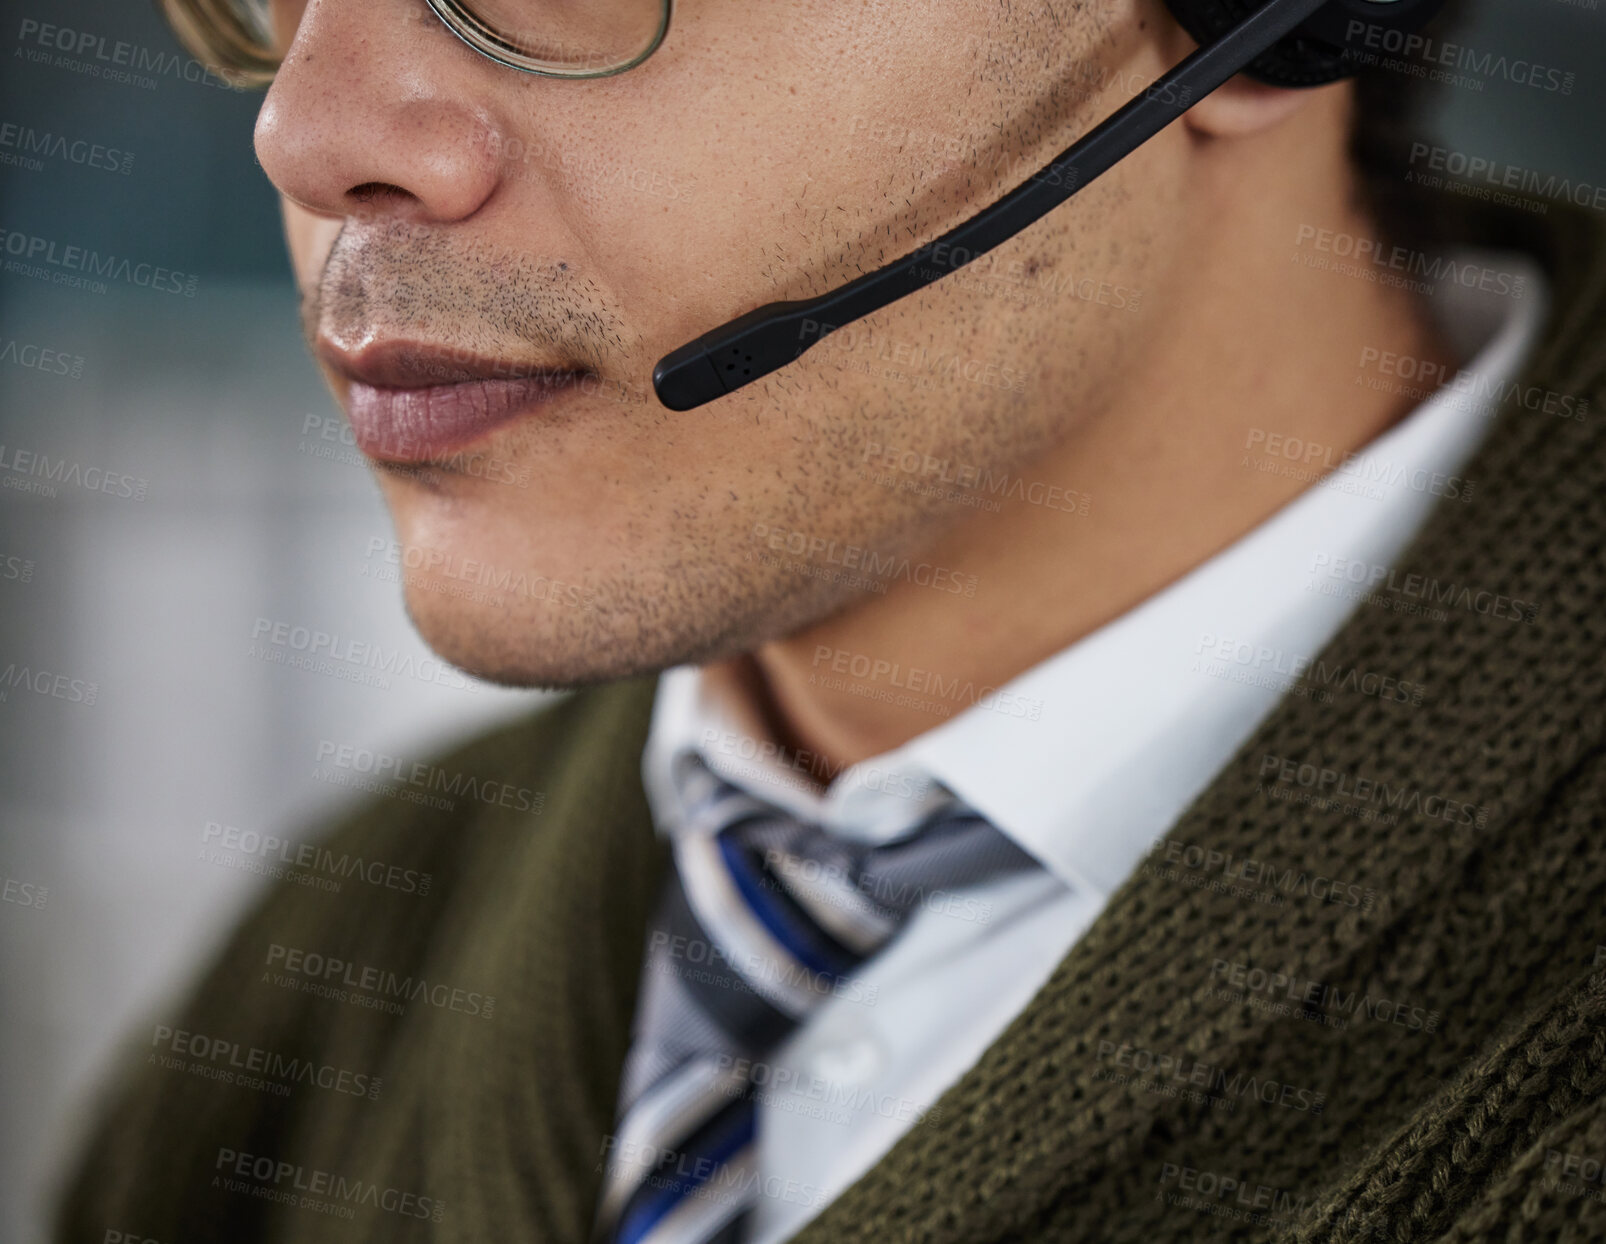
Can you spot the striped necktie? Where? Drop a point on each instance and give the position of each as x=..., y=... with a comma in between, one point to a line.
x=763, y=917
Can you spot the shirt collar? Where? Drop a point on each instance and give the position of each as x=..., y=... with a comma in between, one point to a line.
x=699, y=714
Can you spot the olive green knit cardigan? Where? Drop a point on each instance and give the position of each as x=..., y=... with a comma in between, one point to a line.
x=1372, y=1017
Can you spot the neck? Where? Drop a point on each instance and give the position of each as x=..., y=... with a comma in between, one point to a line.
x=1246, y=344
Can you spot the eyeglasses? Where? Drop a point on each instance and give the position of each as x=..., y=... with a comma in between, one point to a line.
x=550, y=38
x=559, y=38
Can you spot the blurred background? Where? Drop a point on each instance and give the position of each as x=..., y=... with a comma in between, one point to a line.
x=203, y=490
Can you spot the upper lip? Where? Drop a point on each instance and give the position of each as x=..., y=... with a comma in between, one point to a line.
x=419, y=365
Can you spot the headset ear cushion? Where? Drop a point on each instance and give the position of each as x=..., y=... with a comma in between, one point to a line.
x=1297, y=61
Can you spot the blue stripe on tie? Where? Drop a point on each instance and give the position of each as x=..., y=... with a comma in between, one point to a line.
x=641, y=1221
x=791, y=932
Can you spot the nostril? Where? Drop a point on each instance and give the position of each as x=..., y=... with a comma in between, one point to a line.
x=369, y=191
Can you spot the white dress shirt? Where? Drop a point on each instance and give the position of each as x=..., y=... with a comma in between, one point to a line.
x=1137, y=719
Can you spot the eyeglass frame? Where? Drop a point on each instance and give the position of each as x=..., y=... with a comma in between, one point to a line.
x=462, y=22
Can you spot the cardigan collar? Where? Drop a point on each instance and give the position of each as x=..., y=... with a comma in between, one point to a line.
x=1262, y=869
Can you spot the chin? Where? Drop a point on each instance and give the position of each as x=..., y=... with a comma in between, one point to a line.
x=625, y=627
x=515, y=640
x=564, y=587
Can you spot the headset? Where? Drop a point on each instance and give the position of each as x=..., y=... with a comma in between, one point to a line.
x=1285, y=43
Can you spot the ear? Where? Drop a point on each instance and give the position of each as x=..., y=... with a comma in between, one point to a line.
x=1245, y=106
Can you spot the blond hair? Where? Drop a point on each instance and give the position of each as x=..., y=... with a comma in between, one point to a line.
x=232, y=37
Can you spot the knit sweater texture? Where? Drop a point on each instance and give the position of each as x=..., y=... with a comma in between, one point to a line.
x=1356, y=1001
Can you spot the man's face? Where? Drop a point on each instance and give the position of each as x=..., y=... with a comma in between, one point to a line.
x=456, y=226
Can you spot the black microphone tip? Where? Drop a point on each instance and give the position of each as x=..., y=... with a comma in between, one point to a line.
x=685, y=381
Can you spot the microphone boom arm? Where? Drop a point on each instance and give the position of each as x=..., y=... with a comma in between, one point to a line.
x=769, y=337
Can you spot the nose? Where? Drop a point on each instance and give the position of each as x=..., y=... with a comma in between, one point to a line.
x=377, y=110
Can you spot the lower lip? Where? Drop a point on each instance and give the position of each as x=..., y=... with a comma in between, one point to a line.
x=424, y=425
